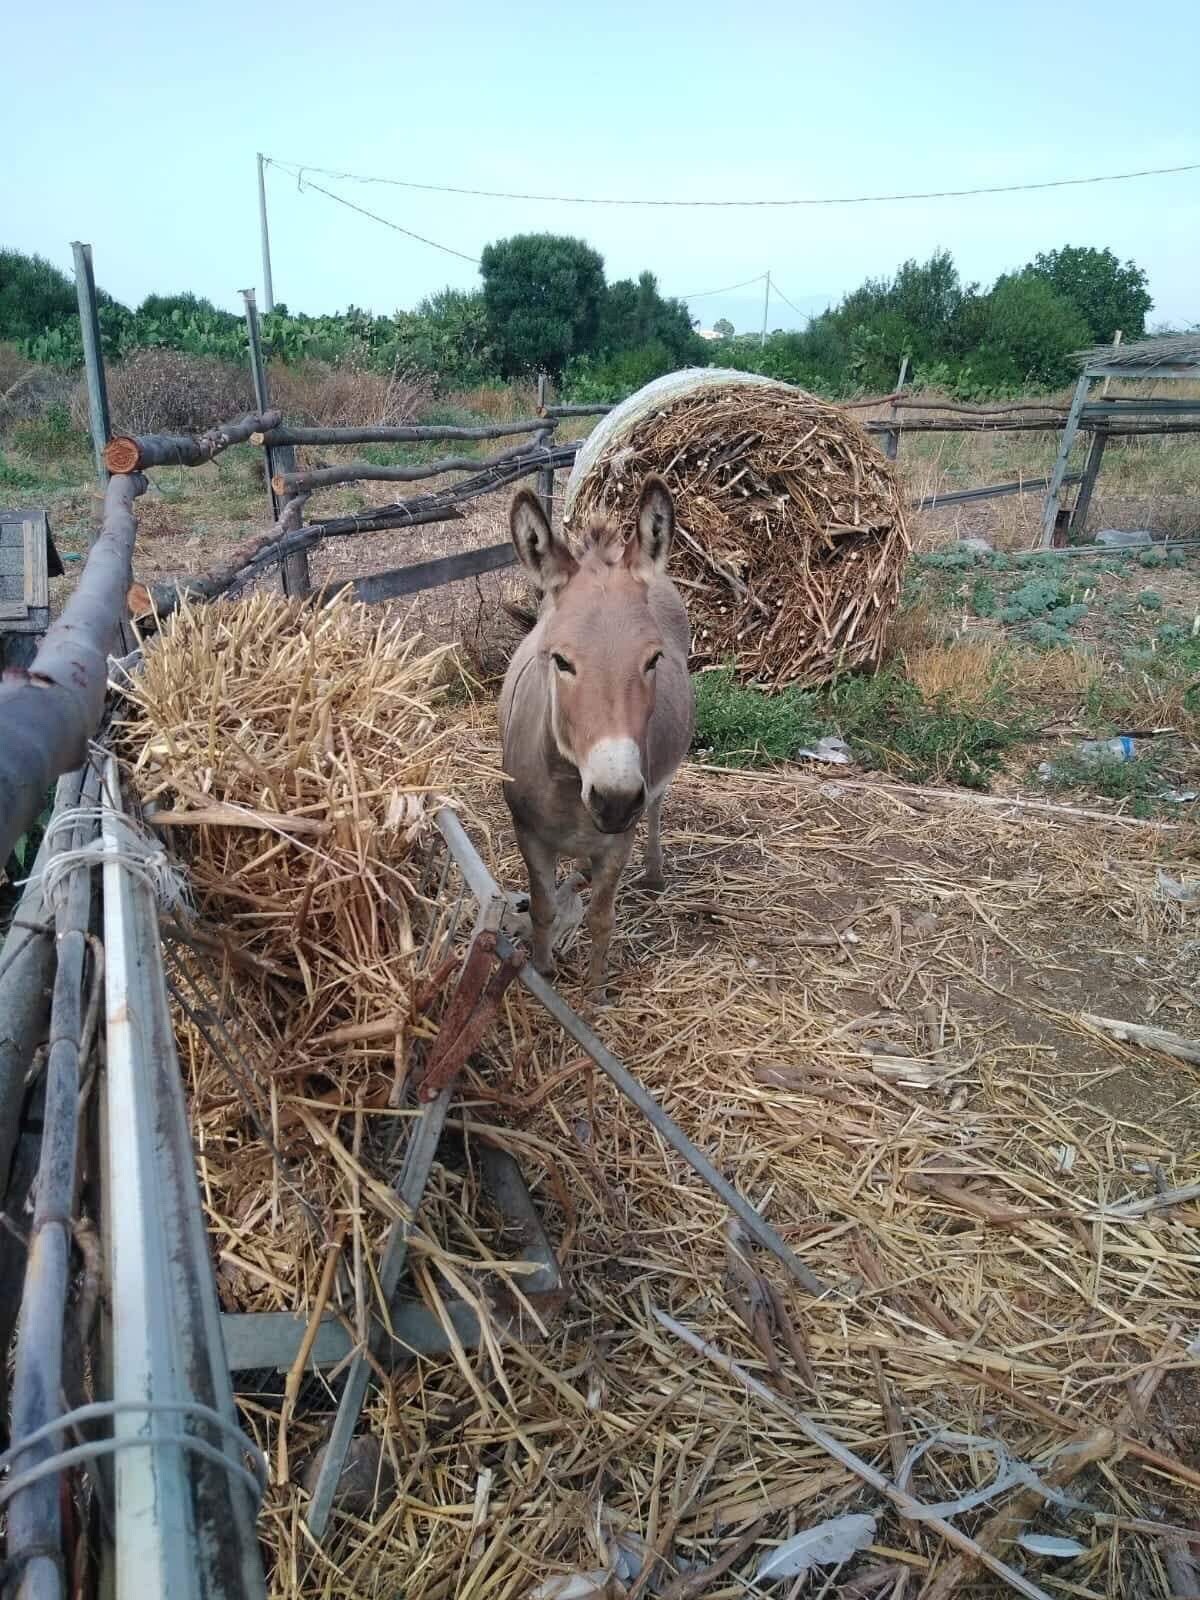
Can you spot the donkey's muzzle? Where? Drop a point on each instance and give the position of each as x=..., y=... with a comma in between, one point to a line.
x=616, y=810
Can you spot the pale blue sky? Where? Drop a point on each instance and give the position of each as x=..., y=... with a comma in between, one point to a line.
x=137, y=130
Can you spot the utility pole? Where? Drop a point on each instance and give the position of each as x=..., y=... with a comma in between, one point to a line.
x=766, y=307
x=268, y=288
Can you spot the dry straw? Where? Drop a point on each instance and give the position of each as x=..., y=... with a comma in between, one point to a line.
x=866, y=1010
x=792, y=540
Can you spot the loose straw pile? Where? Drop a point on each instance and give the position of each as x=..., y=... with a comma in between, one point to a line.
x=294, y=757
x=791, y=541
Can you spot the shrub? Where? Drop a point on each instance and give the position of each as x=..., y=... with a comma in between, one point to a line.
x=51, y=434
x=315, y=393
x=166, y=391
x=591, y=379
x=26, y=388
x=745, y=727
x=1029, y=334
x=34, y=296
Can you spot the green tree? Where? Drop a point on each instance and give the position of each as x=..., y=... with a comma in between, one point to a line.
x=34, y=296
x=1107, y=294
x=723, y=328
x=447, y=336
x=1029, y=334
x=542, y=293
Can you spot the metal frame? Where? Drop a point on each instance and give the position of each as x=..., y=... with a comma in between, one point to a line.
x=481, y=884
x=93, y=355
x=272, y=1339
x=410, y=1186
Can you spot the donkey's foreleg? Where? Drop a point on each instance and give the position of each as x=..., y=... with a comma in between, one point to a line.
x=652, y=872
x=541, y=863
x=607, y=868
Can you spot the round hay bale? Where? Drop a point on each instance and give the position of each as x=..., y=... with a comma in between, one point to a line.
x=791, y=540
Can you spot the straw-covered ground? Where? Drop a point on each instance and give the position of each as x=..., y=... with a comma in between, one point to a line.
x=865, y=1005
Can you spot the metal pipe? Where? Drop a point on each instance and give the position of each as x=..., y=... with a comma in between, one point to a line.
x=268, y=288
x=93, y=355
x=26, y=974
x=34, y=1514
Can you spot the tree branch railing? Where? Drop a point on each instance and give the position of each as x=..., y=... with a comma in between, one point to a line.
x=266, y=549
x=367, y=472
x=407, y=434
x=128, y=452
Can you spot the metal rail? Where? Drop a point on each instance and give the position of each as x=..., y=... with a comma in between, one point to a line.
x=185, y=1524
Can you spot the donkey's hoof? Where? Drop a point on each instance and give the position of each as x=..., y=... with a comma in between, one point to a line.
x=547, y=968
x=651, y=882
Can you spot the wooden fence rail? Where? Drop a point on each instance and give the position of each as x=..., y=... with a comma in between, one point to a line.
x=302, y=480
x=127, y=452
x=407, y=434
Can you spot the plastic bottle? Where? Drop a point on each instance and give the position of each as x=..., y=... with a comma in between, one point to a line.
x=1121, y=748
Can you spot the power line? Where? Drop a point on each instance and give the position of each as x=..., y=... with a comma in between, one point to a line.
x=786, y=301
x=449, y=250
x=828, y=200
x=728, y=289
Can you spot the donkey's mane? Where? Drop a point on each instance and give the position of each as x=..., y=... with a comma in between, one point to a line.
x=603, y=538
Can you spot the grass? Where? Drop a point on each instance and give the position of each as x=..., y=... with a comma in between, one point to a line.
x=1137, y=785
x=891, y=723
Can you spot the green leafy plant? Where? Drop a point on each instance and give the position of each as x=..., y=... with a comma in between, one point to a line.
x=885, y=720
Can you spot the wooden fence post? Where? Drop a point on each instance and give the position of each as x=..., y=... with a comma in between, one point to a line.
x=1054, y=489
x=293, y=569
x=546, y=475
x=1091, y=472
x=891, y=439
x=93, y=356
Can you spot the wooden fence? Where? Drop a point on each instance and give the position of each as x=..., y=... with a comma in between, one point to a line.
x=48, y=712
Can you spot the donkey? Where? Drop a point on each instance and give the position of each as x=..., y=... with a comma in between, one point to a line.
x=596, y=711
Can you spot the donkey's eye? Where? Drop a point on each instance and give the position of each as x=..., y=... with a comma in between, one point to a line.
x=562, y=663
x=654, y=660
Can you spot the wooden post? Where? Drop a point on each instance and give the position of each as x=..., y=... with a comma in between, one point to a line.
x=282, y=458
x=891, y=439
x=545, y=478
x=1107, y=381
x=93, y=356
x=1054, y=488
x=1091, y=472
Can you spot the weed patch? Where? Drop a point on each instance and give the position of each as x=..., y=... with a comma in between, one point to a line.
x=886, y=720
x=13, y=476
x=1137, y=785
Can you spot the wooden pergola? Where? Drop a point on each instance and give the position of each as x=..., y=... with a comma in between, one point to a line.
x=1145, y=359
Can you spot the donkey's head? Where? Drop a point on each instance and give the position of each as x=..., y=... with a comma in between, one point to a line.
x=600, y=644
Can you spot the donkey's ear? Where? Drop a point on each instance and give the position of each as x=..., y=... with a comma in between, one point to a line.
x=543, y=554
x=648, y=550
